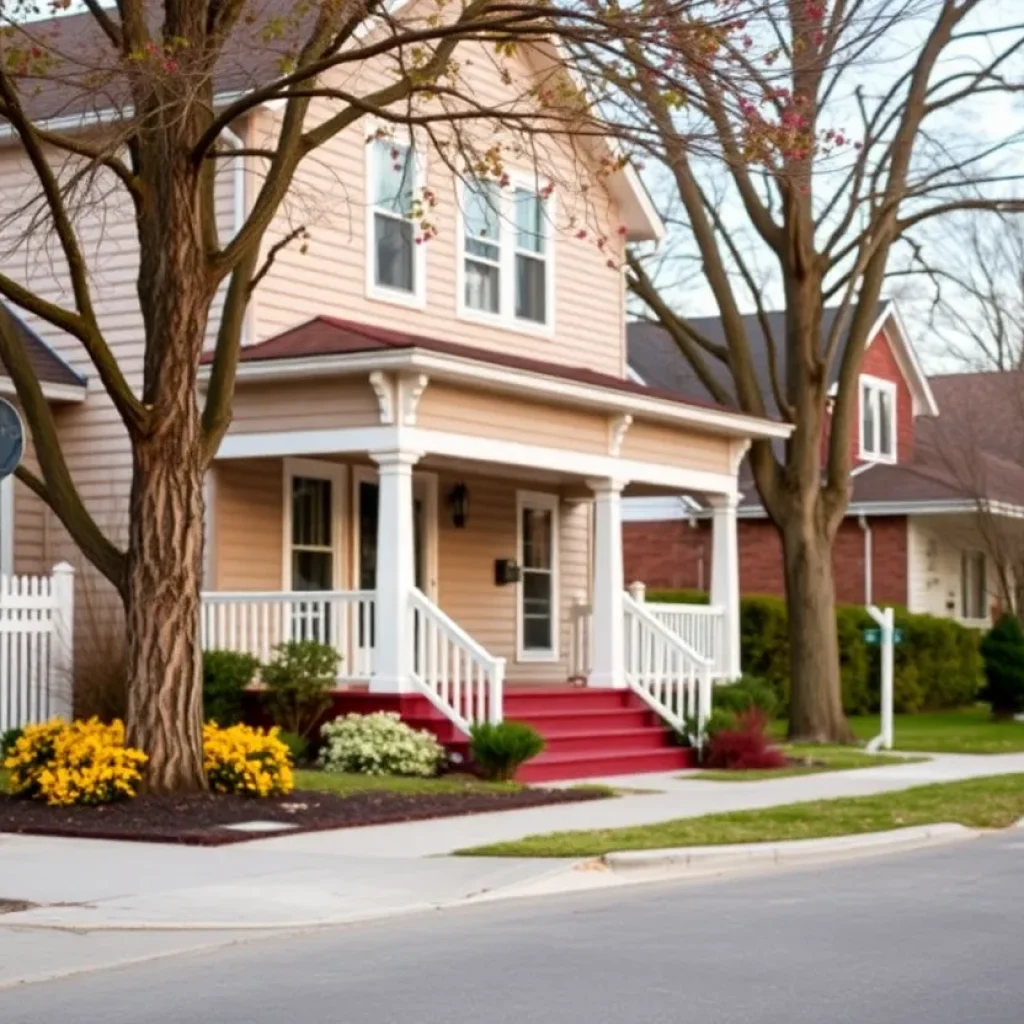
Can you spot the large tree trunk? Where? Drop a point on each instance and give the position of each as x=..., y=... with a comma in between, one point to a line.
x=816, y=706
x=165, y=554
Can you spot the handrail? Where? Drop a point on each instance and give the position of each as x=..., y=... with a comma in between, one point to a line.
x=459, y=676
x=666, y=672
x=699, y=626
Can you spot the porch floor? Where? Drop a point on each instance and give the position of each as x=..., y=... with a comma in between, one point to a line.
x=589, y=732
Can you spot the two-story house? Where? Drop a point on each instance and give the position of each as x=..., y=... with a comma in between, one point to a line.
x=933, y=523
x=432, y=438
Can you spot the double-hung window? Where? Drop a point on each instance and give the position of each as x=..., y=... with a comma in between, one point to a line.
x=506, y=255
x=973, y=586
x=877, y=420
x=396, y=268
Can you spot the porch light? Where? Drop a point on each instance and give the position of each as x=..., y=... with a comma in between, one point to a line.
x=458, y=503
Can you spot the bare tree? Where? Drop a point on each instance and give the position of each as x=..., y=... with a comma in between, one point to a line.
x=823, y=205
x=136, y=101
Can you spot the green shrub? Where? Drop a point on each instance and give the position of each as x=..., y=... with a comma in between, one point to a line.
x=298, y=746
x=226, y=674
x=8, y=740
x=379, y=744
x=297, y=683
x=1003, y=654
x=720, y=719
x=499, y=750
x=764, y=643
x=677, y=595
x=746, y=693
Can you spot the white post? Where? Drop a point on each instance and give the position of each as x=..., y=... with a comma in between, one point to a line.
x=395, y=572
x=608, y=645
x=62, y=653
x=886, y=619
x=725, y=581
x=638, y=591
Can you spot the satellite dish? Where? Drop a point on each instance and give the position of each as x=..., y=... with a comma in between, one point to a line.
x=12, y=439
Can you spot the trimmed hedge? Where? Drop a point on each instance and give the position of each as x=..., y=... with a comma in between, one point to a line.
x=937, y=666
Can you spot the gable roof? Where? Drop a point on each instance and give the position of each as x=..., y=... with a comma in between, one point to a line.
x=49, y=367
x=654, y=355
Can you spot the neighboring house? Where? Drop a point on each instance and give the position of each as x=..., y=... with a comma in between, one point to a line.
x=430, y=445
x=938, y=485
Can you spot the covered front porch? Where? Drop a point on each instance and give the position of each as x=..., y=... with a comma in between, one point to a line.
x=452, y=543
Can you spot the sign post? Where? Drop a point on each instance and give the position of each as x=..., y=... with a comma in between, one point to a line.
x=887, y=637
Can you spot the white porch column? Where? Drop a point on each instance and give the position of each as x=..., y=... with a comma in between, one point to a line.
x=608, y=647
x=395, y=572
x=725, y=579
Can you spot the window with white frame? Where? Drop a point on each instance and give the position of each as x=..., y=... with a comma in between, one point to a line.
x=396, y=263
x=506, y=254
x=973, y=586
x=877, y=419
x=538, y=587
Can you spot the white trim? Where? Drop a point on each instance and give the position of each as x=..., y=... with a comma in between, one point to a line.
x=924, y=389
x=52, y=392
x=505, y=318
x=545, y=502
x=424, y=486
x=479, y=449
x=528, y=382
x=942, y=507
x=878, y=386
x=315, y=469
x=635, y=377
x=417, y=298
x=7, y=523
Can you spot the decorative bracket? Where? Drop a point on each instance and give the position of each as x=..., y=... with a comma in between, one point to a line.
x=410, y=391
x=617, y=429
x=737, y=450
x=385, y=397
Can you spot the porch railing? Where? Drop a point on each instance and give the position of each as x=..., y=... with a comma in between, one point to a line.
x=255, y=623
x=699, y=626
x=673, y=678
x=456, y=674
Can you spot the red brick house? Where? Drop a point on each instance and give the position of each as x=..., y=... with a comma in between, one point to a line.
x=936, y=519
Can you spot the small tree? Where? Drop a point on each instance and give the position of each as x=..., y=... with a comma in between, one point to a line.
x=1002, y=651
x=297, y=681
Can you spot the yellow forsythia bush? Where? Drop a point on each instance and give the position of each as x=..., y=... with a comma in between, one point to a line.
x=252, y=762
x=66, y=763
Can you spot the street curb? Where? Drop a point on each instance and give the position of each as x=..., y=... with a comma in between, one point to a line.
x=743, y=855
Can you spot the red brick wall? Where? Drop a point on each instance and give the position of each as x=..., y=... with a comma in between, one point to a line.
x=670, y=553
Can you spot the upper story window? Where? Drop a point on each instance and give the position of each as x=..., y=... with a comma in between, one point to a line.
x=877, y=419
x=506, y=258
x=395, y=268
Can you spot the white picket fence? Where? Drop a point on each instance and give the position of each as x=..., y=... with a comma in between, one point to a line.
x=36, y=647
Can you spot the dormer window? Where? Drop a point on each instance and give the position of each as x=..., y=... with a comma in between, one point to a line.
x=877, y=420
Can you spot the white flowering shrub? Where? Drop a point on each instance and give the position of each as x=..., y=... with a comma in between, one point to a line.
x=379, y=744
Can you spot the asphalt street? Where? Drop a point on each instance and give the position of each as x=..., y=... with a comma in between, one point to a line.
x=934, y=937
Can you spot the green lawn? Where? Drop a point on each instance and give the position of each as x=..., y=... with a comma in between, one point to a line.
x=966, y=731
x=831, y=759
x=331, y=782
x=980, y=803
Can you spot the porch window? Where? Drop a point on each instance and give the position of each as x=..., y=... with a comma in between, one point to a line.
x=538, y=589
x=973, y=586
x=877, y=420
x=506, y=255
x=393, y=179
x=312, y=555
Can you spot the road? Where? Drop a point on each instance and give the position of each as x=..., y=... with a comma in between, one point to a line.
x=933, y=937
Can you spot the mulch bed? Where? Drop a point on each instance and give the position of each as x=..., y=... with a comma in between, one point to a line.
x=199, y=819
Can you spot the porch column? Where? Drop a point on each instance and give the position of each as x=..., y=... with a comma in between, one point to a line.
x=395, y=572
x=725, y=580
x=608, y=648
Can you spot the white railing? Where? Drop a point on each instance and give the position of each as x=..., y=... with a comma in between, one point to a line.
x=255, y=622
x=36, y=630
x=456, y=674
x=700, y=626
x=673, y=678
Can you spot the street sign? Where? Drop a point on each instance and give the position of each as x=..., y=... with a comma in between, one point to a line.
x=12, y=439
x=873, y=637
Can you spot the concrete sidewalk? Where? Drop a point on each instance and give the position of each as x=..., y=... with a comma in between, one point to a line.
x=353, y=874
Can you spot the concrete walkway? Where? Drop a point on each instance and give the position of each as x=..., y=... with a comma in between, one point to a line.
x=349, y=875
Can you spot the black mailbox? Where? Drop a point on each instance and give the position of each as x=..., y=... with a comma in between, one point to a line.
x=506, y=571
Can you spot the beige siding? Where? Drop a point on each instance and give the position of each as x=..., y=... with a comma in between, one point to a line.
x=312, y=404
x=484, y=414
x=652, y=442
x=330, y=198
x=248, y=537
x=31, y=527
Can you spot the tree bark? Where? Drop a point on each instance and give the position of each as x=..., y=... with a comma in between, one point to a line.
x=816, y=706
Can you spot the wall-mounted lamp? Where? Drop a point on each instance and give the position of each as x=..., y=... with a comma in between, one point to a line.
x=458, y=505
